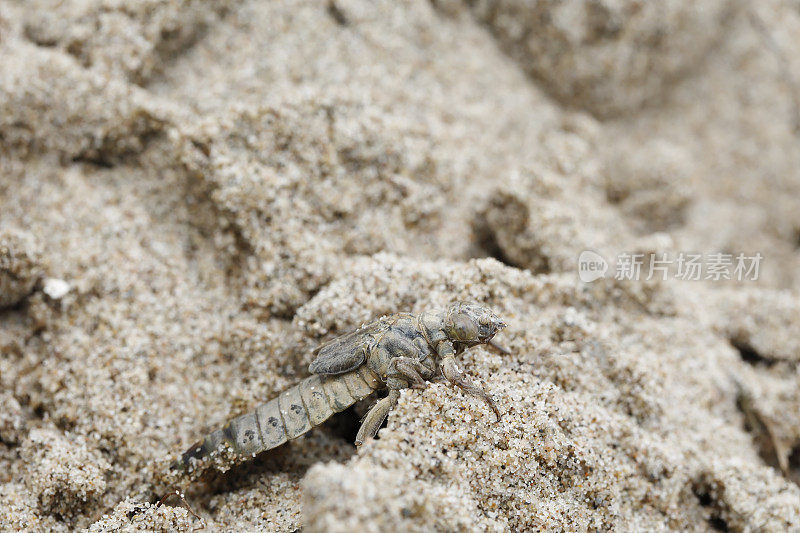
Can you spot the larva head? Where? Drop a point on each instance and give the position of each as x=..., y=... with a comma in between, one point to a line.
x=469, y=324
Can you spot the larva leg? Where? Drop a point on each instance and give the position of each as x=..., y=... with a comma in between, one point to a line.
x=499, y=347
x=409, y=370
x=375, y=417
x=454, y=375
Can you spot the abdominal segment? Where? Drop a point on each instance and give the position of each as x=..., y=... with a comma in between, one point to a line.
x=293, y=413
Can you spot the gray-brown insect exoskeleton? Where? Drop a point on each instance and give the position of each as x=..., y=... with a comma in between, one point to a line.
x=397, y=351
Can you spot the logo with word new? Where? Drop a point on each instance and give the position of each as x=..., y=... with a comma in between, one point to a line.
x=591, y=266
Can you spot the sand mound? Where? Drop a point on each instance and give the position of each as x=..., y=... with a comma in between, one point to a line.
x=193, y=195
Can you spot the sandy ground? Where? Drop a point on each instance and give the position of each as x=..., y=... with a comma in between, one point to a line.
x=193, y=195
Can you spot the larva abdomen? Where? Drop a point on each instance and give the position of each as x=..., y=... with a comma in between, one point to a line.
x=293, y=413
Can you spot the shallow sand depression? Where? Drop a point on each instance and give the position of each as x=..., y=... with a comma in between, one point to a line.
x=194, y=195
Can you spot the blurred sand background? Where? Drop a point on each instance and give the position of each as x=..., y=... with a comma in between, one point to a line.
x=220, y=186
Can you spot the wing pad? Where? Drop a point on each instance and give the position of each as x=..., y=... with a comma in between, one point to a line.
x=344, y=353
